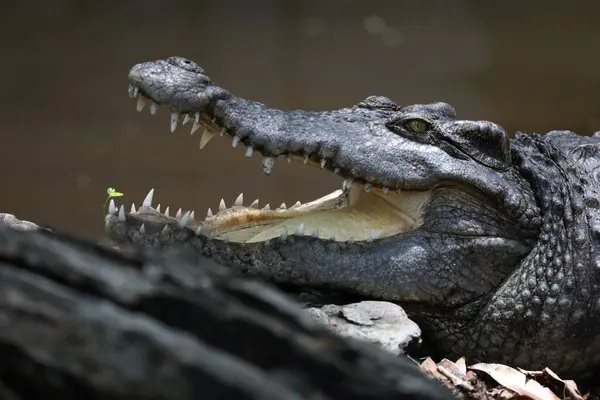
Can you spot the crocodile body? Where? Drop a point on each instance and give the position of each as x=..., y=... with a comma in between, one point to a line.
x=490, y=243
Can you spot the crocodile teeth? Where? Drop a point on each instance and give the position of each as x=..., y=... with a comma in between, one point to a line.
x=148, y=199
x=178, y=214
x=323, y=162
x=249, y=151
x=282, y=207
x=222, y=132
x=133, y=210
x=153, y=108
x=174, y=121
x=283, y=236
x=305, y=159
x=209, y=213
x=158, y=208
x=368, y=187
x=192, y=215
x=300, y=230
x=186, y=119
x=141, y=103
x=165, y=229
x=143, y=229
x=130, y=91
x=195, y=127
x=297, y=204
x=336, y=170
x=289, y=158
x=197, y=117
x=315, y=234
x=239, y=201
x=347, y=183
x=267, y=164
x=112, y=208
x=222, y=205
x=235, y=141
x=198, y=231
x=266, y=208
x=254, y=204
x=184, y=220
x=122, y=213
x=385, y=189
x=205, y=138
x=167, y=214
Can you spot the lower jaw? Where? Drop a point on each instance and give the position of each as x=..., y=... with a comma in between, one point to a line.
x=352, y=214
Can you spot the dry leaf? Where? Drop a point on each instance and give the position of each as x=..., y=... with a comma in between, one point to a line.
x=516, y=381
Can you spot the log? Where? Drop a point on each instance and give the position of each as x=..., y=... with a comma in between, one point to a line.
x=78, y=319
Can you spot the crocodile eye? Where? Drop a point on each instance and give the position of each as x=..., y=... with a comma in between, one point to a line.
x=417, y=125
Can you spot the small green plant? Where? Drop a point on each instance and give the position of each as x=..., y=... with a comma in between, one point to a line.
x=112, y=192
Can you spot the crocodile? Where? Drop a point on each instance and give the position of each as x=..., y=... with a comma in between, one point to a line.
x=490, y=242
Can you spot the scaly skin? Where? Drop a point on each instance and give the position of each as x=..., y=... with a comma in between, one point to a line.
x=502, y=266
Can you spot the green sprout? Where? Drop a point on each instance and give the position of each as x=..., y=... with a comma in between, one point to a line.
x=112, y=192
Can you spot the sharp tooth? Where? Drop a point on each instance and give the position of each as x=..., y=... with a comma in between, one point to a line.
x=254, y=204
x=143, y=229
x=195, y=127
x=300, y=230
x=267, y=164
x=136, y=91
x=315, y=234
x=186, y=119
x=336, y=170
x=240, y=200
x=167, y=212
x=289, y=158
x=266, y=208
x=235, y=141
x=198, y=230
x=148, y=199
x=222, y=132
x=158, y=208
x=153, y=108
x=122, y=213
x=178, y=214
x=283, y=236
x=350, y=240
x=174, y=120
x=385, y=189
x=112, y=208
x=305, y=159
x=249, y=151
x=368, y=187
x=347, y=184
x=323, y=162
x=192, y=215
x=165, y=229
x=141, y=103
x=205, y=138
x=197, y=117
x=209, y=213
x=133, y=210
x=282, y=207
x=184, y=220
x=130, y=91
x=222, y=206
x=297, y=204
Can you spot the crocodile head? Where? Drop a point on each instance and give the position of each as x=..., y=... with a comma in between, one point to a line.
x=415, y=181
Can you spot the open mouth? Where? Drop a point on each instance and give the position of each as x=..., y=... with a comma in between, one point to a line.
x=358, y=212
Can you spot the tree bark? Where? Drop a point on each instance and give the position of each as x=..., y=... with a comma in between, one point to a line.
x=78, y=319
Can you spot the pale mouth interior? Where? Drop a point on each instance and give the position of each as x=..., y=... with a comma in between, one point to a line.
x=357, y=212
x=349, y=214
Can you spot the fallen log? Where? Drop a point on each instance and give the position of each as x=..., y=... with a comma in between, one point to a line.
x=80, y=319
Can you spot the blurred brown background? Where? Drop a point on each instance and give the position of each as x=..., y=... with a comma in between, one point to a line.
x=68, y=129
